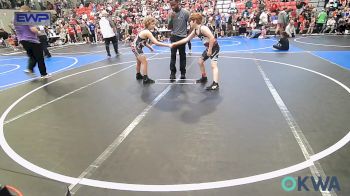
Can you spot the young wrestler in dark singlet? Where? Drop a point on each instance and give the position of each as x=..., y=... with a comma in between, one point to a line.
x=137, y=46
x=211, y=51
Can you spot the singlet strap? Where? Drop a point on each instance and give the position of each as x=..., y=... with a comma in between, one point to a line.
x=200, y=31
x=140, y=32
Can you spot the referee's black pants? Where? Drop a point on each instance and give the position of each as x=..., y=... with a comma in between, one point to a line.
x=182, y=52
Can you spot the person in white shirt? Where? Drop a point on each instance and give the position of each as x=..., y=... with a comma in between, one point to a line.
x=263, y=34
x=233, y=7
x=43, y=40
x=108, y=32
x=330, y=25
x=290, y=29
x=263, y=18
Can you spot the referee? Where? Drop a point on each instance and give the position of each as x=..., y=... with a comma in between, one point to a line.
x=178, y=24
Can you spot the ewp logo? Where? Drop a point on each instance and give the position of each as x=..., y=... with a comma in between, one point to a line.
x=32, y=18
x=330, y=183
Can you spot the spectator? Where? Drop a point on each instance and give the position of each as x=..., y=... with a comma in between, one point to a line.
x=230, y=22
x=92, y=27
x=233, y=7
x=245, y=13
x=108, y=33
x=283, y=43
x=43, y=40
x=79, y=32
x=290, y=29
x=330, y=25
x=312, y=25
x=3, y=34
x=3, y=37
x=300, y=4
x=71, y=33
x=282, y=20
x=342, y=25
x=249, y=4
x=263, y=34
x=321, y=20
x=263, y=18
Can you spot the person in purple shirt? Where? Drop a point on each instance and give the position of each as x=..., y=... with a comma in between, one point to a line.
x=28, y=37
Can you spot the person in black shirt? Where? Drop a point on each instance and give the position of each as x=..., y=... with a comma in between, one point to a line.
x=229, y=25
x=283, y=43
x=3, y=34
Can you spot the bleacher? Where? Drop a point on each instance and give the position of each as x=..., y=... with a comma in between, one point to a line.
x=223, y=6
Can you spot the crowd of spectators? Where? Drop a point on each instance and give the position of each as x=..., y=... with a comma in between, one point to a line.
x=294, y=17
x=36, y=4
x=79, y=23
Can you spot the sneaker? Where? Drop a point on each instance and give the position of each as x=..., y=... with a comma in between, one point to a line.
x=109, y=56
x=28, y=71
x=202, y=80
x=147, y=80
x=45, y=77
x=118, y=53
x=183, y=77
x=190, y=52
x=139, y=76
x=172, y=77
x=213, y=86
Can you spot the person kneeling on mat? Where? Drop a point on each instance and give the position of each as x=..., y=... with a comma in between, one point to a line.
x=211, y=51
x=141, y=41
x=283, y=43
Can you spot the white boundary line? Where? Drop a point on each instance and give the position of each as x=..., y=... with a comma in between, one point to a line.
x=93, y=52
x=53, y=48
x=65, y=95
x=12, y=53
x=326, y=45
x=177, y=81
x=315, y=55
x=170, y=83
x=16, y=67
x=237, y=44
x=232, y=51
x=35, y=78
x=24, y=57
x=168, y=188
x=112, y=147
x=298, y=134
x=81, y=88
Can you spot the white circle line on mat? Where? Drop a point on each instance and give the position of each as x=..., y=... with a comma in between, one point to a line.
x=315, y=44
x=15, y=65
x=172, y=187
x=31, y=79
